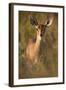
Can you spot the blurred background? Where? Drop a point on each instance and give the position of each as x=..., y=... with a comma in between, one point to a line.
x=48, y=54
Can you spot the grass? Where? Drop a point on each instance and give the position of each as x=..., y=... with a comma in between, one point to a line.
x=48, y=54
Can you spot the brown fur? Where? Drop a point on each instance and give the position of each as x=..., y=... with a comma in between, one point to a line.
x=32, y=49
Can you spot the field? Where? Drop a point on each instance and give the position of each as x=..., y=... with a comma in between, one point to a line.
x=48, y=54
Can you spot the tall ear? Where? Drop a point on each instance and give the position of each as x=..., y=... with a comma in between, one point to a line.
x=49, y=20
x=33, y=20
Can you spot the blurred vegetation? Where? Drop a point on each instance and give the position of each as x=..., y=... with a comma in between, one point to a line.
x=48, y=54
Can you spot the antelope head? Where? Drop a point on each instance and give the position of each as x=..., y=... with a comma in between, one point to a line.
x=41, y=28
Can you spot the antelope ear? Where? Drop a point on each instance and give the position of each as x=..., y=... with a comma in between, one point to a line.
x=33, y=20
x=49, y=20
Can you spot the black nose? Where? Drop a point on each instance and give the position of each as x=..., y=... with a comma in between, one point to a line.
x=41, y=34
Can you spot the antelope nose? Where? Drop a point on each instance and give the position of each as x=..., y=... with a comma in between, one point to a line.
x=41, y=34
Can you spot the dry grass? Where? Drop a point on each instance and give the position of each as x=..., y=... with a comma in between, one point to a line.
x=48, y=55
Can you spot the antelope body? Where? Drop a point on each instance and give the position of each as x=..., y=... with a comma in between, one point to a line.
x=33, y=46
